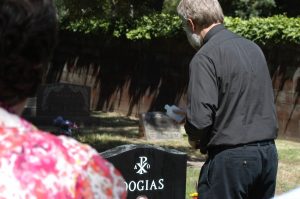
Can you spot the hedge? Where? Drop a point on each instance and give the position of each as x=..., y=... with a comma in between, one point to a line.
x=277, y=29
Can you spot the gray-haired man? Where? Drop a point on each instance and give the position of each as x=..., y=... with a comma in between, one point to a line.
x=230, y=110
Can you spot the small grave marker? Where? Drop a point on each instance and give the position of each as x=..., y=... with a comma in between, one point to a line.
x=159, y=126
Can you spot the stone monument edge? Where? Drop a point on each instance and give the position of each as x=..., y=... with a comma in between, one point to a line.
x=127, y=147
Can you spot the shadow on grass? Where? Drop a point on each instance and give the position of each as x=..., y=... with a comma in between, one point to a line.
x=125, y=132
x=105, y=120
x=117, y=122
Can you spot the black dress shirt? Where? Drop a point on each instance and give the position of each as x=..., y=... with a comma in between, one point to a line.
x=230, y=95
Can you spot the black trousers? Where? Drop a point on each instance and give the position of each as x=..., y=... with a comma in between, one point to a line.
x=242, y=172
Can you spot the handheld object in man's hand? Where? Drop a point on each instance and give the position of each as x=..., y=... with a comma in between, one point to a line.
x=175, y=113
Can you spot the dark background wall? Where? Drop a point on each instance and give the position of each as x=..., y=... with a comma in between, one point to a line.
x=140, y=76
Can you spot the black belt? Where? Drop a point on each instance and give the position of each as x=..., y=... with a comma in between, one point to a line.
x=217, y=149
x=262, y=143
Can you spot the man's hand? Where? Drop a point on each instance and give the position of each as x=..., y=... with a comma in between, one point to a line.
x=194, y=144
x=179, y=111
x=182, y=113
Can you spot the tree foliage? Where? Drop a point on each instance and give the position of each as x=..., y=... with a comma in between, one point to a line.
x=235, y=8
x=108, y=9
x=289, y=7
x=248, y=8
x=128, y=9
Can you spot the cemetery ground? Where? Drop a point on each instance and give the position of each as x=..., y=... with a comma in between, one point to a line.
x=115, y=129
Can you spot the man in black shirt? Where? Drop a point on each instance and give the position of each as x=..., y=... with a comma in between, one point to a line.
x=231, y=113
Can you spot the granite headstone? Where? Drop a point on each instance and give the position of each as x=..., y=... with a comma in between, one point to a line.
x=63, y=100
x=150, y=172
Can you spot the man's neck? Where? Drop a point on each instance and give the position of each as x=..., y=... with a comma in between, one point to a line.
x=206, y=30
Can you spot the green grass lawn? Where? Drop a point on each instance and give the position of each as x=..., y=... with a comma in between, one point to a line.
x=289, y=165
x=115, y=130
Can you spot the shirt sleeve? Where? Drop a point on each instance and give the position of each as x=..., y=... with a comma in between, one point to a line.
x=99, y=179
x=202, y=98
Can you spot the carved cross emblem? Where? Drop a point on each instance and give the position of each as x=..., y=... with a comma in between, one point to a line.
x=142, y=166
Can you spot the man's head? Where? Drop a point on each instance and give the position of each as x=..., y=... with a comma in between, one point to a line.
x=27, y=38
x=198, y=15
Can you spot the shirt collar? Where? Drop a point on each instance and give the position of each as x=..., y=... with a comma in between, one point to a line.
x=213, y=31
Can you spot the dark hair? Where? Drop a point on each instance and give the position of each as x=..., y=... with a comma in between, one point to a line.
x=27, y=37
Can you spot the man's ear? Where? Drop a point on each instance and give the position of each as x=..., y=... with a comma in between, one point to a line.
x=191, y=25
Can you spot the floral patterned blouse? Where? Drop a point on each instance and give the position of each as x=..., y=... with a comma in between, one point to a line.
x=36, y=164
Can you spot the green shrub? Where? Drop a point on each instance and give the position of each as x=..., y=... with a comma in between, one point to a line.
x=157, y=25
x=271, y=30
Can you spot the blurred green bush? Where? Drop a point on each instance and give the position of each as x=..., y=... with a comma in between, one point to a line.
x=271, y=30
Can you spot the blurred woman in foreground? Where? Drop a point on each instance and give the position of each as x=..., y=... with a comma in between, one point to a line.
x=35, y=164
